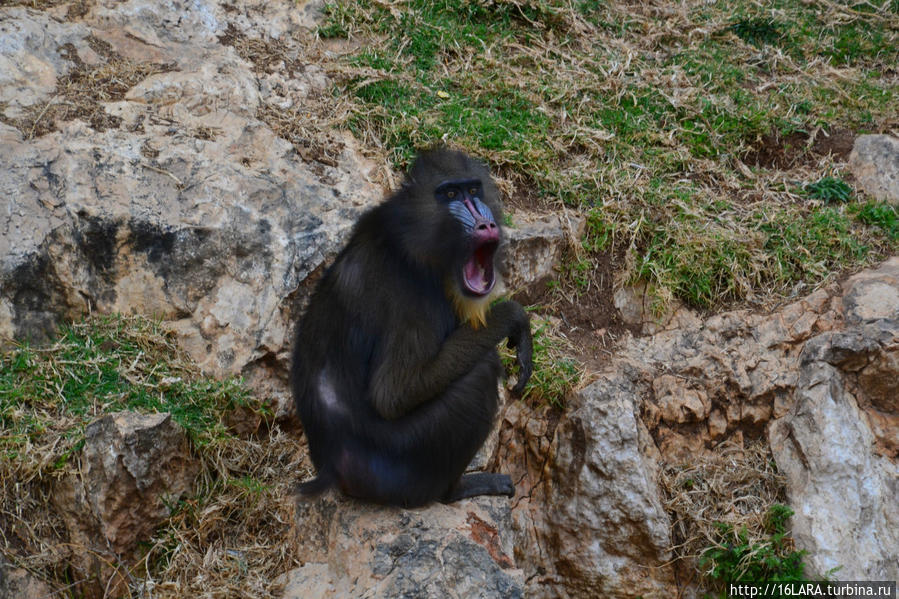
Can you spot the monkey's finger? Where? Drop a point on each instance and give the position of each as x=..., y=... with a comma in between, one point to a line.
x=525, y=369
x=518, y=339
x=518, y=389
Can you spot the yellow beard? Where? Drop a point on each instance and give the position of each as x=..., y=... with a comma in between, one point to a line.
x=470, y=310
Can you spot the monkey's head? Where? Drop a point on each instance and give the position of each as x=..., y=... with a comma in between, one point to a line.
x=459, y=213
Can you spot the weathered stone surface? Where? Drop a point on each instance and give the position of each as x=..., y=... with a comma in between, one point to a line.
x=868, y=357
x=874, y=162
x=677, y=402
x=193, y=209
x=605, y=524
x=535, y=246
x=844, y=495
x=353, y=549
x=34, y=54
x=871, y=299
x=132, y=467
x=588, y=520
x=216, y=247
x=873, y=294
x=741, y=367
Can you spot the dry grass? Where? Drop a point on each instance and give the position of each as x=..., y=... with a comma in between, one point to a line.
x=80, y=94
x=228, y=539
x=233, y=539
x=307, y=124
x=685, y=131
x=735, y=486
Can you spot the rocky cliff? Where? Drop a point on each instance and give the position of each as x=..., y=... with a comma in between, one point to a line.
x=176, y=160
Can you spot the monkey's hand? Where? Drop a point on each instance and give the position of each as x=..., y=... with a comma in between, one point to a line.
x=520, y=339
x=524, y=357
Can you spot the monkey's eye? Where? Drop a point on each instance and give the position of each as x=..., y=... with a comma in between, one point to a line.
x=455, y=190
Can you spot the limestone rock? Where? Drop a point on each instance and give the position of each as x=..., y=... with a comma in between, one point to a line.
x=593, y=524
x=678, y=403
x=132, y=467
x=525, y=434
x=875, y=163
x=868, y=356
x=879, y=379
x=354, y=549
x=871, y=298
x=838, y=444
x=36, y=51
x=728, y=365
x=193, y=209
x=843, y=494
x=605, y=518
x=535, y=245
x=873, y=294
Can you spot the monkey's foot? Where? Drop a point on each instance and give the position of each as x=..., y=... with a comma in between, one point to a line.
x=480, y=483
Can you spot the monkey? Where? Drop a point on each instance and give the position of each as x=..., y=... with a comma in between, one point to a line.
x=395, y=365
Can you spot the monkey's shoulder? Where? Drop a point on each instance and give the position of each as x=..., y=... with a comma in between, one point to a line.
x=373, y=266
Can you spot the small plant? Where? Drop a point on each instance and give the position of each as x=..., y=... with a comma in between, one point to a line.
x=757, y=31
x=882, y=215
x=600, y=232
x=830, y=190
x=736, y=558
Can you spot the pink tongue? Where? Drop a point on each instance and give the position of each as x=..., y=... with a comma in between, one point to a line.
x=474, y=277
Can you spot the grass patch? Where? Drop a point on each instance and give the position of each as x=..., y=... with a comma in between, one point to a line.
x=737, y=559
x=808, y=246
x=882, y=215
x=102, y=365
x=228, y=535
x=829, y=189
x=653, y=116
x=555, y=374
x=728, y=517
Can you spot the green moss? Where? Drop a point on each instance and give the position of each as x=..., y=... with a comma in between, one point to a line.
x=107, y=364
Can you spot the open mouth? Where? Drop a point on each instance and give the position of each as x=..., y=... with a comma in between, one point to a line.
x=477, y=274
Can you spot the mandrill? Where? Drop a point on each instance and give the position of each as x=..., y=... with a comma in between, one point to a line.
x=395, y=366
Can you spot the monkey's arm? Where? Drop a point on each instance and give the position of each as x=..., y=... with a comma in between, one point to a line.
x=402, y=382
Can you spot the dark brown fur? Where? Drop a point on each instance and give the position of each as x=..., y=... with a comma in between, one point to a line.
x=395, y=387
